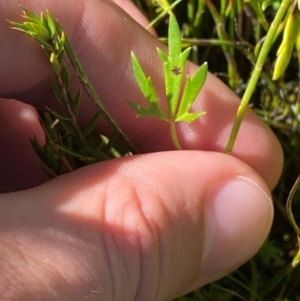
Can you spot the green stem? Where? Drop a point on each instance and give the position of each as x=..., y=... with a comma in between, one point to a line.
x=174, y=134
x=220, y=25
x=289, y=210
x=68, y=107
x=93, y=94
x=256, y=73
x=162, y=14
x=254, y=281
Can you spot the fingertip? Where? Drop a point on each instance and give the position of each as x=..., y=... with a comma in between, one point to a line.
x=239, y=215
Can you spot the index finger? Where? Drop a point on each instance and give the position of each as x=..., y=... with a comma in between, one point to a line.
x=103, y=36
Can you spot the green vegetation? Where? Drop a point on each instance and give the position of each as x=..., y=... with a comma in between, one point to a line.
x=260, y=63
x=254, y=47
x=173, y=66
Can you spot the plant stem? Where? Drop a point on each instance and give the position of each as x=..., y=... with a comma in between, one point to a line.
x=219, y=21
x=93, y=94
x=289, y=210
x=174, y=134
x=165, y=11
x=256, y=73
x=68, y=107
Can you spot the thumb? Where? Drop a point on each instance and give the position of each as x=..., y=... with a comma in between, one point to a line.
x=147, y=227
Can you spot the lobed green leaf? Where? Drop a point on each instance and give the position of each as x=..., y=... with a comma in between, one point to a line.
x=192, y=88
x=143, y=111
x=148, y=91
x=173, y=73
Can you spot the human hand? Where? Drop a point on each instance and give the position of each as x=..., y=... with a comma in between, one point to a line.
x=147, y=227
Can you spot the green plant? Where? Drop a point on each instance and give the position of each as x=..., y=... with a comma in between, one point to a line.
x=174, y=66
x=268, y=42
x=69, y=145
x=229, y=35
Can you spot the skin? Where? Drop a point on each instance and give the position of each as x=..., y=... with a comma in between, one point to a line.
x=146, y=227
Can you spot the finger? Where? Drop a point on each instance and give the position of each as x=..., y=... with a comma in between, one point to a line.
x=127, y=230
x=20, y=167
x=135, y=13
x=103, y=36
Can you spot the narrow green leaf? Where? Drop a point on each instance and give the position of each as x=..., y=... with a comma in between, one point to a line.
x=145, y=84
x=68, y=126
x=286, y=47
x=169, y=79
x=95, y=153
x=30, y=15
x=45, y=45
x=61, y=42
x=60, y=55
x=282, y=61
x=44, y=21
x=51, y=157
x=57, y=91
x=55, y=65
x=192, y=88
x=59, y=116
x=48, y=171
x=142, y=111
x=297, y=41
x=40, y=30
x=71, y=152
x=65, y=77
x=39, y=150
x=74, y=102
x=19, y=26
x=173, y=73
x=174, y=38
x=189, y=117
x=34, y=20
x=91, y=124
x=163, y=57
x=51, y=23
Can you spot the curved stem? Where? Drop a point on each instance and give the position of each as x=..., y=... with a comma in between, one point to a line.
x=93, y=94
x=174, y=134
x=256, y=73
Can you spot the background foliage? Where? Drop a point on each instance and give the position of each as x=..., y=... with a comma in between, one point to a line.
x=228, y=34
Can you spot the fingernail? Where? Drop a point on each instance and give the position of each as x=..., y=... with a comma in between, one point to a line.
x=238, y=218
